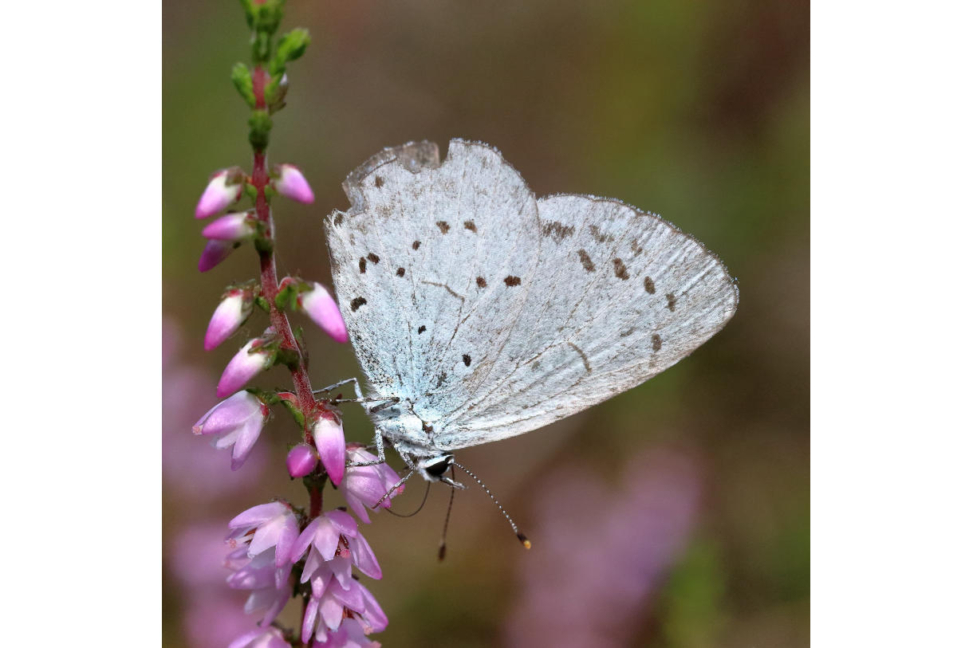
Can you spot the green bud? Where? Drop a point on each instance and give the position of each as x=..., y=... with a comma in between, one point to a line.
x=260, y=125
x=290, y=47
x=240, y=75
x=286, y=298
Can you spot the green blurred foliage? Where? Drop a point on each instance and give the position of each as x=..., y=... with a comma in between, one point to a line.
x=697, y=110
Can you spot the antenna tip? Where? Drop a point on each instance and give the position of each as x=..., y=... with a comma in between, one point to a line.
x=442, y=552
x=523, y=540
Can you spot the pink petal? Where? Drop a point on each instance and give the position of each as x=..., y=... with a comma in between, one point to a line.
x=214, y=253
x=330, y=441
x=241, y=369
x=301, y=460
x=293, y=185
x=231, y=313
x=321, y=307
x=232, y=227
x=218, y=195
x=257, y=515
x=310, y=616
x=365, y=558
x=305, y=539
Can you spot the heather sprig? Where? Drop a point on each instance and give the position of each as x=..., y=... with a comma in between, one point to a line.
x=281, y=551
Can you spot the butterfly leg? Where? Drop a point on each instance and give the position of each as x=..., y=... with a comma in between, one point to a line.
x=379, y=451
x=347, y=381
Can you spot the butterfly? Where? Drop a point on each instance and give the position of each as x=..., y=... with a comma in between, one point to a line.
x=480, y=312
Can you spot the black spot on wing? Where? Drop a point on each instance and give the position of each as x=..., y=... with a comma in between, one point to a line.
x=481, y=282
x=421, y=329
x=357, y=303
x=373, y=257
x=443, y=226
x=656, y=342
x=557, y=231
x=511, y=280
x=649, y=286
x=470, y=225
x=362, y=265
x=416, y=244
x=378, y=181
x=671, y=301
x=466, y=360
x=339, y=219
x=620, y=270
x=400, y=272
x=586, y=261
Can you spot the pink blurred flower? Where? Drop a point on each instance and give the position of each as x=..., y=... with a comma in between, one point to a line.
x=233, y=310
x=265, y=527
x=193, y=471
x=223, y=190
x=247, y=363
x=364, y=486
x=232, y=227
x=618, y=545
x=238, y=421
x=268, y=585
x=214, y=253
x=329, y=437
x=321, y=307
x=292, y=184
x=213, y=618
x=261, y=638
x=301, y=460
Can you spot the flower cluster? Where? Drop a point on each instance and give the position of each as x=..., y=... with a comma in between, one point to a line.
x=279, y=551
x=271, y=555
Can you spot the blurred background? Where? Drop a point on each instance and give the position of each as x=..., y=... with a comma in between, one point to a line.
x=676, y=514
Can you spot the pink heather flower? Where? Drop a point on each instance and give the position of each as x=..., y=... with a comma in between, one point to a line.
x=247, y=363
x=333, y=545
x=261, y=638
x=265, y=527
x=364, y=486
x=233, y=311
x=223, y=190
x=292, y=184
x=301, y=460
x=325, y=613
x=321, y=307
x=214, y=253
x=329, y=437
x=238, y=421
x=350, y=634
x=232, y=227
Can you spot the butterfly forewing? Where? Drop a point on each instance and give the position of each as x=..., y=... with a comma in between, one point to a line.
x=496, y=313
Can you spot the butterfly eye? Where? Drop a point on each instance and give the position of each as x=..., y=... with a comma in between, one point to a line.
x=438, y=469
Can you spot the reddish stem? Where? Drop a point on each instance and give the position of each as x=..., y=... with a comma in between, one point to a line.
x=268, y=273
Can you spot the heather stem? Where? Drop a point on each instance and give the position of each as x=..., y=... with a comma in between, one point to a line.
x=268, y=267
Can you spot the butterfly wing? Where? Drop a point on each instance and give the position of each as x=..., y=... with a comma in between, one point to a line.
x=511, y=312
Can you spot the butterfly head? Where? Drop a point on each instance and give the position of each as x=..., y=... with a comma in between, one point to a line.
x=434, y=468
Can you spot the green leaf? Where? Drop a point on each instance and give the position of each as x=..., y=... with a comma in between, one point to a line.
x=243, y=82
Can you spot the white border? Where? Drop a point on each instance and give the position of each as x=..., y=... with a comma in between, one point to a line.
x=81, y=329
x=891, y=323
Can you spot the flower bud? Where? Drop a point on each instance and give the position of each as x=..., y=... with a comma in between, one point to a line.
x=237, y=421
x=232, y=227
x=301, y=460
x=290, y=182
x=321, y=307
x=247, y=363
x=233, y=311
x=329, y=437
x=223, y=190
x=214, y=253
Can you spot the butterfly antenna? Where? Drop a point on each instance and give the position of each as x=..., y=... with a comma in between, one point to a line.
x=408, y=515
x=449, y=509
x=520, y=536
